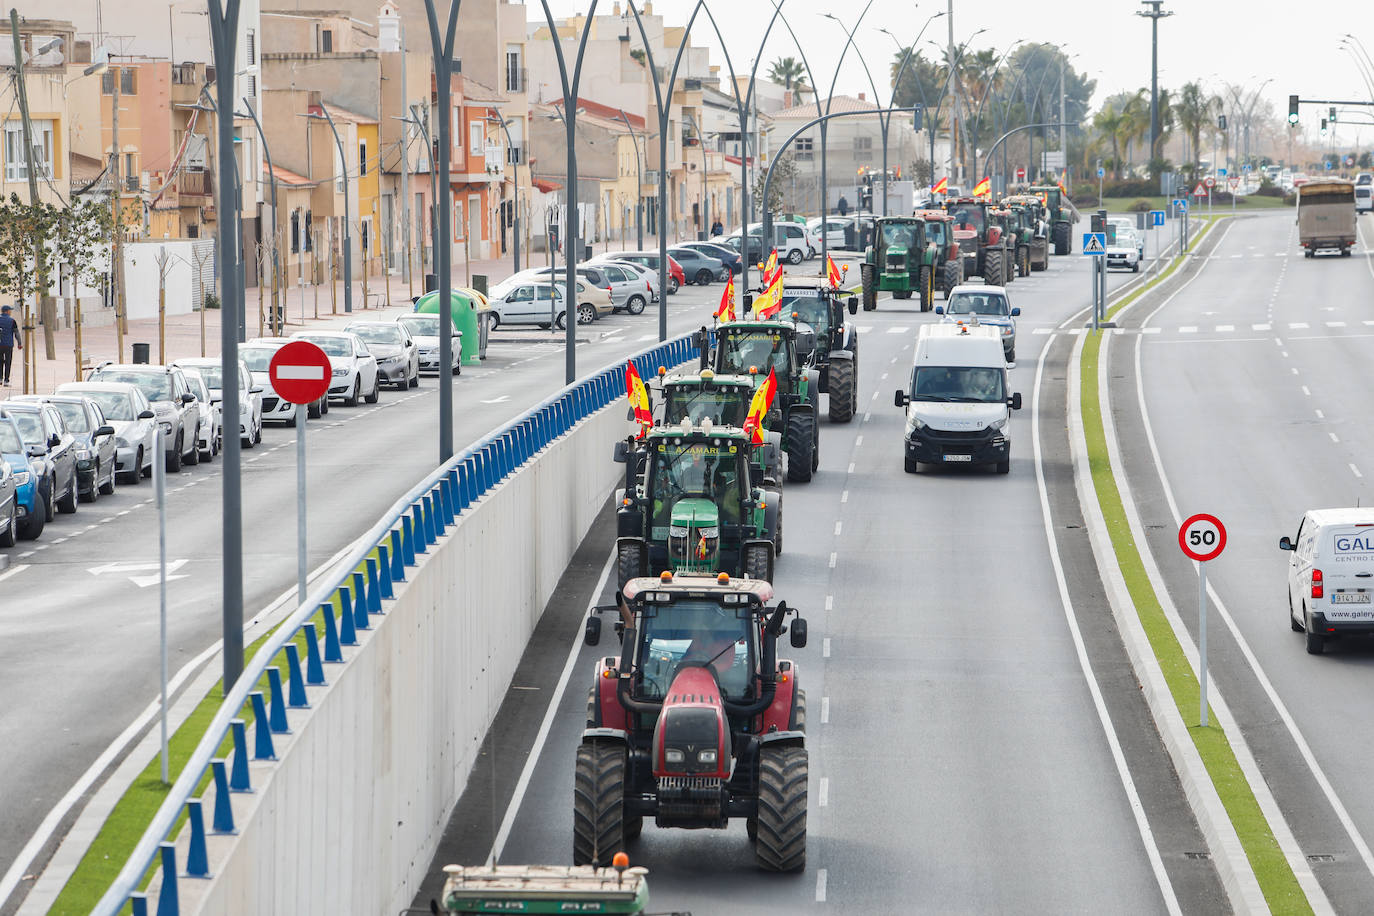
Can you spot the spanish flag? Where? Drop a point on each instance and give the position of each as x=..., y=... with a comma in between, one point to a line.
x=941, y=186
x=832, y=273
x=983, y=188
x=639, y=399
x=726, y=309
x=770, y=265
x=1060, y=182
x=758, y=407
x=769, y=302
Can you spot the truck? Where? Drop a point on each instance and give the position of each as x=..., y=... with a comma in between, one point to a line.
x=939, y=229
x=1326, y=216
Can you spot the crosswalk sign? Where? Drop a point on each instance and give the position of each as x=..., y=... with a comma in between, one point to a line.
x=1095, y=243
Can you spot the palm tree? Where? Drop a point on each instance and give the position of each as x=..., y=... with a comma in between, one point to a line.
x=788, y=72
x=1195, y=111
x=1108, y=123
x=1166, y=125
x=1135, y=120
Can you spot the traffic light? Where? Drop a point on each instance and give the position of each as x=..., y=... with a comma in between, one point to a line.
x=1323, y=127
x=1292, y=109
x=1221, y=122
x=916, y=118
x=1332, y=115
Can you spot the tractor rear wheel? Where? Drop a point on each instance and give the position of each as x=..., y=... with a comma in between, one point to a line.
x=992, y=268
x=953, y=276
x=758, y=562
x=629, y=561
x=801, y=445
x=924, y=290
x=870, y=294
x=781, y=825
x=598, y=803
x=841, y=392
x=1060, y=233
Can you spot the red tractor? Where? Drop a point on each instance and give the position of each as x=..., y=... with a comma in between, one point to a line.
x=697, y=722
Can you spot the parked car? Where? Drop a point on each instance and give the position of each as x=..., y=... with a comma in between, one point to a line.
x=698, y=267
x=127, y=409
x=755, y=252
x=676, y=275
x=788, y=238
x=355, y=368
x=517, y=301
x=30, y=506
x=592, y=301
x=51, y=449
x=9, y=505
x=211, y=436
x=628, y=291
x=835, y=227
x=173, y=403
x=96, y=451
x=642, y=282
x=259, y=362
x=424, y=330
x=209, y=368
x=723, y=253
x=398, y=357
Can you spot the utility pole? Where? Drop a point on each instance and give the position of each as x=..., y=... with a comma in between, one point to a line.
x=405, y=168
x=117, y=226
x=1154, y=14
x=950, y=62
x=1063, y=120
x=45, y=309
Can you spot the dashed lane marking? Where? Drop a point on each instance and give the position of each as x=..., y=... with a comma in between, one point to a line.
x=829, y=604
x=838, y=526
x=833, y=558
x=825, y=710
x=820, y=885
x=1356, y=471
x=823, y=792
x=825, y=647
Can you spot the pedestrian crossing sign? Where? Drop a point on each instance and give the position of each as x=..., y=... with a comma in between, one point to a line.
x=1095, y=243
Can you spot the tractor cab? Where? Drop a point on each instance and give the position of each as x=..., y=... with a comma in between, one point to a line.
x=980, y=240
x=753, y=347
x=724, y=400
x=697, y=721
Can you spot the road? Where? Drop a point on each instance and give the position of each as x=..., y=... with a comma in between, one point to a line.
x=1256, y=383
x=958, y=759
x=76, y=622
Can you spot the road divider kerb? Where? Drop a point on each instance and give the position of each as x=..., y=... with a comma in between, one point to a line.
x=1258, y=875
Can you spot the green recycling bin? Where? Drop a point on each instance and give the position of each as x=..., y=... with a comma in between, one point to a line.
x=464, y=319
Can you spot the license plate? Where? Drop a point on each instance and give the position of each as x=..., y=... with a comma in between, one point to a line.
x=958, y=457
x=1350, y=597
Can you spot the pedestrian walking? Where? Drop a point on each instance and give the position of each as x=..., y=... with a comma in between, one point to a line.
x=717, y=228
x=9, y=341
x=842, y=205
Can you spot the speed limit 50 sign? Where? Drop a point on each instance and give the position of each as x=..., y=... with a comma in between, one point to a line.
x=1202, y=537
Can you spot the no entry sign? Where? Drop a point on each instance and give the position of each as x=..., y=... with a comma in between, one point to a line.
x=1202, y=537
x=300, y=372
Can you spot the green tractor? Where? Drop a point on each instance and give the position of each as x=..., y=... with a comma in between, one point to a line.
x=689, y=505
x=981, y=245
x=1032, y=239
x=1060, y=213
x=949, y=267
x=753, y=347
x=812, y=301
x=1008, y=223
x=900, y=261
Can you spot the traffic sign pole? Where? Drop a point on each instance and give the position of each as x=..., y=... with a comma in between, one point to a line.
x=1202, y=538
x=300, y=373
x=1202, y=642
x=301, y=412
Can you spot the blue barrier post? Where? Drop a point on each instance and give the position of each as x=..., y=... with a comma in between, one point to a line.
x=427, y=520
x=398, y=562
x=453, y=493
x=138, y=903
x=262, y=730
x=168, y=904
x=276, y=707
x=360, y=601
x=387, y=590
x=446, y=502
x=417, y=528
x=439, y=504
x=295, y=681
x=197, y=859
x=464, y=476
x=239, y=780
x=374, y=585
x=408, y=540
x=332, y=652
x=224, y=809
x=348, y=635
x=314, y=671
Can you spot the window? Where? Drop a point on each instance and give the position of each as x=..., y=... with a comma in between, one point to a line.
x=107, y=82
x=16, y=163
x=326, y=41
x=476, y=138
x=362, y=158
x=295, y=231
x=251, y=86
x=252, y=47
x=309, y=231
x=804, y=149
x=128, y=81
x=865, y=143
x=515, y=76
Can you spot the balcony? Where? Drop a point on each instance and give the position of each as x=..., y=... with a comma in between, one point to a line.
x=193, y=183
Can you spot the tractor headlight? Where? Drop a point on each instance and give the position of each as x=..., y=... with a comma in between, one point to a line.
x=708, y=756
x=673, y=755
x=677, y=531
x=710, y=534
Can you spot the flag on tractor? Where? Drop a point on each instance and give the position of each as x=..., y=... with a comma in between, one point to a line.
x=832, y=273
x=769, y=266
x=941, y=186
x=759, y=406
x=983, y=188
x=639, y=399
x=726, y=309
x=1060, y=182
x=769, y=302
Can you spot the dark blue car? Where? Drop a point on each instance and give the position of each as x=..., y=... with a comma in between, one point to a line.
x=31, y=512
x=724, y=253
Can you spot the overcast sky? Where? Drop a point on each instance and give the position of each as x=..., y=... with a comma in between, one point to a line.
x=1215, y=41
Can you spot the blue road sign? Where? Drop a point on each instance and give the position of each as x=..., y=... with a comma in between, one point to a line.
x=1156, y=217
x=1245, y=168
x=1095, y=243
x=1328, y=165
x=1181, y=203
x=1221, y=172
x=1101, y=171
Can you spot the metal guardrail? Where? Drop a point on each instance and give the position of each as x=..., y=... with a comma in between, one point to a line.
x=412, y=525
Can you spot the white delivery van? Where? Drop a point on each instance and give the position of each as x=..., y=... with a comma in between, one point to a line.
x=956, y=400
x=1331, y=575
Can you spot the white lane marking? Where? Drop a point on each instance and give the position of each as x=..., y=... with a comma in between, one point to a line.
x=825, y=710
x=1335, y=324
x=1297, y=325
x=1094, y=690
x=1306, y=391
x=1261, y=327
x=820, y=885
x=1320, y=415
x=883, y=378
x=541, y=738
x=858, y=441
x=16, y=570
x=27, y=553
x=62, y=540
x=1367, y=323
x=829, y=604
x=106, y=520
x=844, y=497
x=868, y=414
x=125, y=512
x=825, y=647
x=838, y=525
x=1283, y=353
x=1356, y=471
x=1042, y=331
x=1294, y=370
x=851, y=467
x=875, y=396
x=898, y=329
x=1225, y=328
x=833, y=557
x=1333, y=438
x=1187, y=329
x=823, y=792
x=1151, y=330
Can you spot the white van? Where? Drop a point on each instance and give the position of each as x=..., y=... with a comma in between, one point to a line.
x=957, y=404
x=1331, y=575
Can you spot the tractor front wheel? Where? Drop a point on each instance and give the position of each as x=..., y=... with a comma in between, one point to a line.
x=780, y=843
x=953, y=276
x=925, y=291
x=1060, y=233
x=801, y=444
x=869, y=292
x=992, y=268
x=599, y=803
x=758, y=562
x=841, y=392
x=629, y=561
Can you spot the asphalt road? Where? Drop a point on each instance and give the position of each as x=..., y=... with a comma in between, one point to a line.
x=79, y=636
x=958, y=761
x=1256, y=380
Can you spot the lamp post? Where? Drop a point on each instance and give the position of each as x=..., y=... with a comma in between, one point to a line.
x=278, y=317
x=515, y=249
x=701, y=142
x=639, y=184
x=324, y=115
x=907, y=55
x=1154, y=14
x=976, y=119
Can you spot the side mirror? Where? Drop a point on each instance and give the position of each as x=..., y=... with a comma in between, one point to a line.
x=35, y=451
x=797, y=636
x=1016, y=313
x=939, y=309
x=1015, y=402
x=187, y=398
x=54, y=440
x=900, y=399
x=853, y=304
x=105, y=430
x=592, y=634
x=622, y=451
x=256, y=389
x=148, y=414
x=1285, y=544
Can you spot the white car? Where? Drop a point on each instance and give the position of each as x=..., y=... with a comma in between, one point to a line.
x=128, y=410
x=398, y=356
x=1124, y=252
x=788, y=238
x=424, y=330
x=355, y=368
x=528, y=302
x=250, y=395
x=173, y=403
x=257, y=355
x=835, y=227
x=211, y=422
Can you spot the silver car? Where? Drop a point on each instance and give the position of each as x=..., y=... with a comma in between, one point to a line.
x=126, y=409
x=424, y=330
x=9, y=506
x=634, y=272
x=355, y=368
x=257, y=356
x=398, y=356
x=629, y=292
x=175, y=406
x=537, y=302
x=96, y=464
x=209, y=368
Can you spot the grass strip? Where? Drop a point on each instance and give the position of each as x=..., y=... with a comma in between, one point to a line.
x=1276, y=879
x=135, y=810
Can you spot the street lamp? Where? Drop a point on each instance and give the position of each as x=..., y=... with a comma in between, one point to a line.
x=701, y=142
x=908, y=53
x=324, y=115
x=510, y=144
x=278, y=315
x=1154, y=14
x=639, y=185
